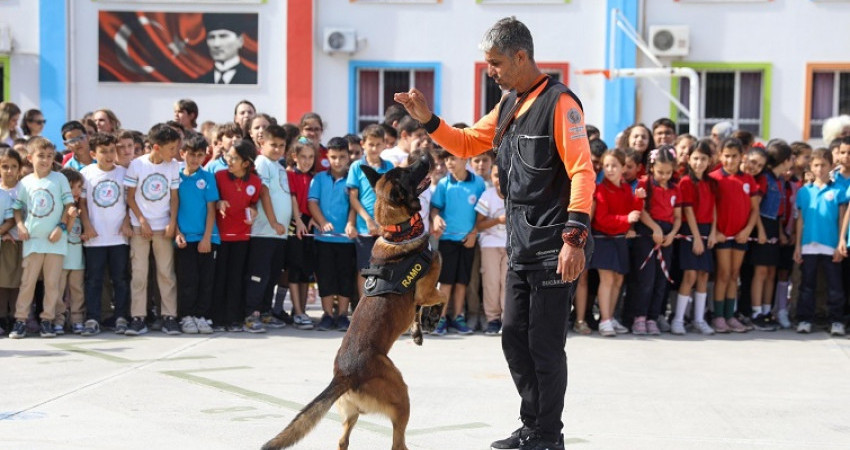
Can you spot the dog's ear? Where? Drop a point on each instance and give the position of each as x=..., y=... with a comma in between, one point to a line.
x=371, y=174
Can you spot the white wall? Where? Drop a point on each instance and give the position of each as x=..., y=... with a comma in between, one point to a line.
x=139, y=106
x=786, y=33
x=22, y=18
x=449, y=32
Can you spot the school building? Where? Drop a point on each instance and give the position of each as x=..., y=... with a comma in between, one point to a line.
x=775, y=67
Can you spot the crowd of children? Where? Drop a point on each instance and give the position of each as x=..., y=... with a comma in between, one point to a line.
x=200, y=231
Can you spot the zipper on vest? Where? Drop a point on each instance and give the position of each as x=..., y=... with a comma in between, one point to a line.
x=508, y=207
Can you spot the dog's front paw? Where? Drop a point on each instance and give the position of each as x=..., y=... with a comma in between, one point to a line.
x=430, y=316
x=416, y=333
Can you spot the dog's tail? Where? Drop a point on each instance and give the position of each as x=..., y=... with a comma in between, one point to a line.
x=304, y=422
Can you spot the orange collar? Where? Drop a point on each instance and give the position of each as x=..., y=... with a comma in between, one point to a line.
x=405, y=230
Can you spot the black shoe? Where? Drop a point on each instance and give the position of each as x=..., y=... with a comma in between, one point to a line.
x=515, y=440
x=763, y=323
x=19, y=330
x=46, y=330
x=285, y=317
x=137, y=327
x=538, y=443
x=170, y=325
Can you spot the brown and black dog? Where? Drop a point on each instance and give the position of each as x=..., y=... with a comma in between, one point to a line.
x=365, y=380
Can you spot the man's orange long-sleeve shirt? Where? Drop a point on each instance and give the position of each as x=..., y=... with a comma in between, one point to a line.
x=570, y=140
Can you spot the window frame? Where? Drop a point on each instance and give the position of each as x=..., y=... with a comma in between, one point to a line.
x=354, y=68
x=811, y=68
x=766, y=86
x=5, y=62
x=480, y=74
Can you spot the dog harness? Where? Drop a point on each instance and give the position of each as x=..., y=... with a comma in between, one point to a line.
x=398, y=276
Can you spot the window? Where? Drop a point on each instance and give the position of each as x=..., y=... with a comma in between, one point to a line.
x=738, y=93
x=375, y=83
x=4, y=78
x=488, y=93
x=828, y=95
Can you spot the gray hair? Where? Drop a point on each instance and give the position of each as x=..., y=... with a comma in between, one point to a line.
x=723, y=129
x=508, y=36
x=833, y=127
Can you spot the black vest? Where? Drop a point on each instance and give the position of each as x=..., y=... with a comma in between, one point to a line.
x=533, y=181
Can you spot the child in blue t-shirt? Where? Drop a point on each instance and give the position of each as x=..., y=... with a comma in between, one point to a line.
x=453, y=215
x=821, y=205
x=362, y=197
x=335, y=255
x=73, y=265
x=46, y=196
x=197, y=238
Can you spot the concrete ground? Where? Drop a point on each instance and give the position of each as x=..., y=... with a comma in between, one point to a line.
x=235, y=390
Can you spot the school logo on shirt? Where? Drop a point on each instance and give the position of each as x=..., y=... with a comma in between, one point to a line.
x=325, y=163
x=42, y=203
x=75, y=232
x=472, y=199
x=829, y=196
x=154, y=187
x=250, y=190
x=201, y=184
x=106, y=193
x=673, y=201
x=746, y=188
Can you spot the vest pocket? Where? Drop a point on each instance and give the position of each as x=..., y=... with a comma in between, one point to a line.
x=534, y=152
x=530, y=243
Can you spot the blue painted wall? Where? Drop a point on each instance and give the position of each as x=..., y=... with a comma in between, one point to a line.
x=53, y=67
x=620, y=92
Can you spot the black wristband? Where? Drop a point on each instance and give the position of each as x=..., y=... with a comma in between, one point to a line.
x=432, y=124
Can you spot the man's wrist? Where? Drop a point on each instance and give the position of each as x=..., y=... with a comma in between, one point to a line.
x=432, y=124
x=575, y=236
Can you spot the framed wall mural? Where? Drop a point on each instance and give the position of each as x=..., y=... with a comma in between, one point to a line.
x=178, y=47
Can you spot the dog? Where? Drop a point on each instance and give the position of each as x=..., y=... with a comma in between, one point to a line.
x=365, y=380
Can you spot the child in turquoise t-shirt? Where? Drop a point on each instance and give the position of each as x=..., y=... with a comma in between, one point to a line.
x=73, y=266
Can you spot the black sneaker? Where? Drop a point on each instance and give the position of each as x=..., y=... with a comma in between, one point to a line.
x=342, y=323
x=46, y=330
x=327, y=323
x=137, y=327
x=19, y=330
x=515, y=440
x=170, y=325
x=538, y=443
x=493, y=328
x=156, y=324
x=763, y=323
x=285, y=317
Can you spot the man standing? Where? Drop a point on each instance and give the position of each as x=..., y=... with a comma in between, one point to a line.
x=225, y=37
x=547, y=179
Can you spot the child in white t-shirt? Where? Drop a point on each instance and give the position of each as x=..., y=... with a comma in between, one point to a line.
x=494, y=257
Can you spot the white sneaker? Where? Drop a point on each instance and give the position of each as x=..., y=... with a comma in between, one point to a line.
x=203, y=325
x=677, y=327
x=303, y=322
x=782, y=318
x=618, y=327
x=837, y=329
x=804, y=327
x=704, y=328
x=188, y=325
x=606, y=328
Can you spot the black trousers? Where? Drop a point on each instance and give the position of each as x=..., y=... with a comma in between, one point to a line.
x=534, y=333
x=649, y=286
x=806, y=304
x=195, y=280
x=229, y=286
x=266, y=258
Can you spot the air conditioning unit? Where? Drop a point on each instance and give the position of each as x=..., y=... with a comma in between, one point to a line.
x=669, y=40
x=339, y=40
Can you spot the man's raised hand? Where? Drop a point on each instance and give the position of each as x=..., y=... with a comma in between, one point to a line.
x=415, y=104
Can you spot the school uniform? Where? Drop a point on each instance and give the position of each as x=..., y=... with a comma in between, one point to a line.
x=267, y=250
x=819, y=209
x=610, y=223
x=300, y=253
x=494, y=255
x=366, y=195
x=5, y=214
x=700, y=197
x=335, y=255
x=241, y=193
x=44, y=199
x=456, y=199
x=733, y=198
x=216, y=165
x=105, y=197
x=771, y=212
x=195, y=270
x=650, y=286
